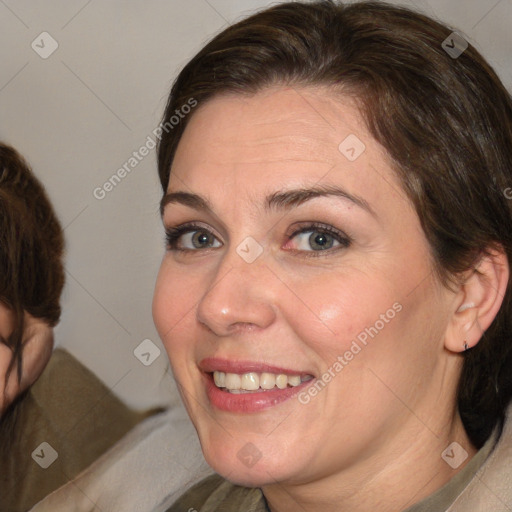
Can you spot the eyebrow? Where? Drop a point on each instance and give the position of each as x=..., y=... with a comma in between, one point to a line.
x=277, y=200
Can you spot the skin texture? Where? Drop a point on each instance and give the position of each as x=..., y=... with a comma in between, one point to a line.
x=37, y=350
x=373, y=437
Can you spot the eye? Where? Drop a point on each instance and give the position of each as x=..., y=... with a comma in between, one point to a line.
x=318, y=237
x=313, y=237
x=190, y=237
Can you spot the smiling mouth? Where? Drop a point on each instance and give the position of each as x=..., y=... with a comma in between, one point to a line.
x=254, y=382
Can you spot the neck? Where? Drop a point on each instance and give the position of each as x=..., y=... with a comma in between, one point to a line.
x=406, y=469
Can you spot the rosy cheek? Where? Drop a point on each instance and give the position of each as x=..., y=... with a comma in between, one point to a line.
x=332, y=315
x=342, y=321
x=174, y=295
x=168, y=313
x=342, y=314
x=332, y=305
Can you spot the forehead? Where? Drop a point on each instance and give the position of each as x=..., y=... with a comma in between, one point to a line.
x=277, y=138
x=270, y=125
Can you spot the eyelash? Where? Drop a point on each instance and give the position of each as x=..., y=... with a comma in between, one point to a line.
x=172, y=236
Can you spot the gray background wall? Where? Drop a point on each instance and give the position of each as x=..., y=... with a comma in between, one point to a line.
x=79, y=114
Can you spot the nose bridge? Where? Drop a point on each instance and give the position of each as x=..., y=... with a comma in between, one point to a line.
x=239, y=294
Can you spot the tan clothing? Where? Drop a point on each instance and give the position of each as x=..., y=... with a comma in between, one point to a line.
x=146, y=471
x=483, y=485
x=72, y=411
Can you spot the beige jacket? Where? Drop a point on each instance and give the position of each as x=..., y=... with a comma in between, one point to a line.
x=161, y=458
x=146, y=471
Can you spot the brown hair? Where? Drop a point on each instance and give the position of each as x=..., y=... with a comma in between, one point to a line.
x=445, y=122
x=31, y=250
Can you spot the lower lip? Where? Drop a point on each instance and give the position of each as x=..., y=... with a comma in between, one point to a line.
x=248, y=402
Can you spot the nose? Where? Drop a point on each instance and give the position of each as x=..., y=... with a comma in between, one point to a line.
x=239, y=297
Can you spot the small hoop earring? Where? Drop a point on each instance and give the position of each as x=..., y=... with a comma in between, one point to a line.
x=465, y=346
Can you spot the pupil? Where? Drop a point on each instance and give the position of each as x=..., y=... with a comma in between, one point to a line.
x=200, y=239
x=320, y=240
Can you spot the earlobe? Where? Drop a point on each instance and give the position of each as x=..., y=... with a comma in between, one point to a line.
x=479, y=300
x=465, y=330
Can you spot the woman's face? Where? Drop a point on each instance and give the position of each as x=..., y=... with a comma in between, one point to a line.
x=276, y=281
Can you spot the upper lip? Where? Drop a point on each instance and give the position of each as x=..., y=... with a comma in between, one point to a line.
x=212, y=364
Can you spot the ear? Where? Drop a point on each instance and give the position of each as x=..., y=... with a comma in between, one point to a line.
x=478, y=301
x=37, y=350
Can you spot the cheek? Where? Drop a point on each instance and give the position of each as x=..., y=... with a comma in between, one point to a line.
x=174, y=306
x=339, y=309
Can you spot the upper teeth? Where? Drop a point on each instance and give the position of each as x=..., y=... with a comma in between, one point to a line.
x=253, y=381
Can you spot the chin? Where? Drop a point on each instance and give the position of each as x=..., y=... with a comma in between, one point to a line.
x=258, y=476
x=243, y=464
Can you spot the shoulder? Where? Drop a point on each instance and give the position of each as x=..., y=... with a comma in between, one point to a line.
x=215, y=494
x=151, y=456
x=198, y=494
x=491, y=487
